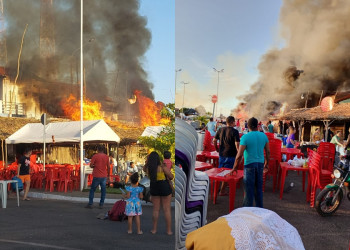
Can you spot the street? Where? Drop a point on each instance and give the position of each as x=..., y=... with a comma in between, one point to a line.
x=316, y=232
x=52, y=224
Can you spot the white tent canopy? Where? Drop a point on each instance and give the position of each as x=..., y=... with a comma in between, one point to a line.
x=64, y=132
x=152, y=131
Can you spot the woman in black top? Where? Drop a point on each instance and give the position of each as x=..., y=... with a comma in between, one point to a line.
x=23, y=171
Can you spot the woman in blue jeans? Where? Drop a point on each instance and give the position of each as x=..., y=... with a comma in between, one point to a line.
x=291, y=138
x=252, y=145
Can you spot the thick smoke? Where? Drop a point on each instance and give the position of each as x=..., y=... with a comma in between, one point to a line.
x=315, y=57
x=115, y=40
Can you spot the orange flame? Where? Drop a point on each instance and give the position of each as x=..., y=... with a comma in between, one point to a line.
x=149, y=110
x=91, y=110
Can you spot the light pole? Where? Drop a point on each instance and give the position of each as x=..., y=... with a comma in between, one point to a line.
x=183, y=98
x=176, y=70
x=217, y=90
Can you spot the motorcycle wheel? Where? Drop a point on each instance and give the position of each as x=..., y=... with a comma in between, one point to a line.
x=324, y=199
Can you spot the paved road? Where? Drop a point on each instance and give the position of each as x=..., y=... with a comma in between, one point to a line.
x=50, y=224
x=316, y=232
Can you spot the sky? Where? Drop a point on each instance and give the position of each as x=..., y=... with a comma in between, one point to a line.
x=223, y=34
x=160, y=58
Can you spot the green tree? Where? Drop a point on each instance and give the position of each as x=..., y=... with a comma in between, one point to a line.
x=165, y=141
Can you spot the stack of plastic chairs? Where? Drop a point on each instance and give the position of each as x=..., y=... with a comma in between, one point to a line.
x=191, y=187
x=274, y=163
x=315, y=174
x=327, y=152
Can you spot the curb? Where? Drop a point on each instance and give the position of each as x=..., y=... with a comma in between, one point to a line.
x=78, y=199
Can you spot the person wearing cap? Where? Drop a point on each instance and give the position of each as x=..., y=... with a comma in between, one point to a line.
x=252, y=145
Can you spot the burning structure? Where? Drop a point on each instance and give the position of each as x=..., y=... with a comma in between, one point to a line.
x=40, y=75
x=314, y=62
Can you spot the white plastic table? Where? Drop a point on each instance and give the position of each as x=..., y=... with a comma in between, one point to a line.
x=3, y=191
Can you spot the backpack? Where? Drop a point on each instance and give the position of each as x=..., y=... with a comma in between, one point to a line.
x=117, y=213
x=20, y=184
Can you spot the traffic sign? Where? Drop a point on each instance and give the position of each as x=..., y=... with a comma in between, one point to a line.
x=214, y=98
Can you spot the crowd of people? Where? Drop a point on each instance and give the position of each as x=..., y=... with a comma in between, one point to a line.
x=161, y=191
x=244, y=138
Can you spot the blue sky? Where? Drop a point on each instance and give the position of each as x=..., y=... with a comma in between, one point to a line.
x=225, y=34
x=160, y=58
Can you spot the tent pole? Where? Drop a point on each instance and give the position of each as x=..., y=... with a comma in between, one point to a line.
x=82, y=177
x=2, y=151
x=5, y=155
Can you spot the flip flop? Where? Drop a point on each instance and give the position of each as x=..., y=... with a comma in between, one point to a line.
x=140, y=232
x=26, y=199
x=153, y=232
x=129, y=232
x=169, y=233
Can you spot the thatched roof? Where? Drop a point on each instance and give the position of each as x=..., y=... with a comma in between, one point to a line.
x=127, y=134
x=339, y=112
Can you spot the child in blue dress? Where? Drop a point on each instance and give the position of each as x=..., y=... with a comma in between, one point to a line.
x=133, y=203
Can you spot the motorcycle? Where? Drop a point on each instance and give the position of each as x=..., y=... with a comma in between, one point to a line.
x=330, y=198
x=146, y=184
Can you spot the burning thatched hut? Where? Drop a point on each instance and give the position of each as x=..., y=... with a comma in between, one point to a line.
x=338, y=118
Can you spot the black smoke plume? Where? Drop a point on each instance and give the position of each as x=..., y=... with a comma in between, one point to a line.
x=314, y=60
x=115, y=41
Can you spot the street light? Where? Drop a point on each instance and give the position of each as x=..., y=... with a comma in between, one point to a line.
x=217, y=90
x=176, y=70
x=183, y=98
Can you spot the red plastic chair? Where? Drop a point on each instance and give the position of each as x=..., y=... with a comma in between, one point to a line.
x=65, y=180
x=318, y=178
x=327, y=152
x=208, y=142
x=274, y=163
x=270, y=136
x=52, y=178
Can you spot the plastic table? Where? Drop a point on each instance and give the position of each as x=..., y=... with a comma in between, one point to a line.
x=289, y=152
x=232, y=181
x=203, y=166
x=214, y=156
x=3, y=191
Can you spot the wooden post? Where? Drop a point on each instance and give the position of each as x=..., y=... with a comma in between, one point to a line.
x=300, y=125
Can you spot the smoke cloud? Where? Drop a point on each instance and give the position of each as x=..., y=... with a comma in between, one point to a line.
x=115, y=40
x=314, y=59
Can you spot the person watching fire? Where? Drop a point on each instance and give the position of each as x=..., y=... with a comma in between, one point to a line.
x=291, y=137
x=23, y=171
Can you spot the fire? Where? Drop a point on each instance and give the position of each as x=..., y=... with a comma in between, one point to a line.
x=149, y=110
x=240, y=112
x=91, y=110
x=283, y=108
x=132, y=100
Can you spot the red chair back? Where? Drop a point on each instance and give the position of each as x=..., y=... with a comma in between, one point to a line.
x=327, y=152
x=270, y=136
x=207, y=142
x=275, y=149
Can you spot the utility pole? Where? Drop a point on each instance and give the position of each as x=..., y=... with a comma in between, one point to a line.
x=183, y=98
x=217, y=89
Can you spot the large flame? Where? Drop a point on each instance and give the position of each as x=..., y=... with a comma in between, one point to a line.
x=91, y=110
x=149, y=111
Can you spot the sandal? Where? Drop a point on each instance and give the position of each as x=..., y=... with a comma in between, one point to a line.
x=26, y=199
x=140, y=232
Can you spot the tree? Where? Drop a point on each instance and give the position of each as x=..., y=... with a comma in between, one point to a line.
x=165, y=141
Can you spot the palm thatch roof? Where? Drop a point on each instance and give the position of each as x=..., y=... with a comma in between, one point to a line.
x=339, y=112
